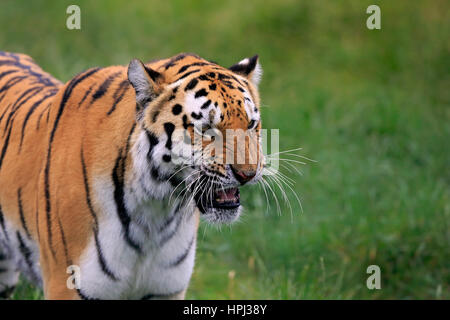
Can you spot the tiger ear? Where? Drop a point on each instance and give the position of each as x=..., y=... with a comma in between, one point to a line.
x=249, y=68
x=145, y=81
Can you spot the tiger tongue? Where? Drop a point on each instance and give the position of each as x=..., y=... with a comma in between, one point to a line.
x=226, y=195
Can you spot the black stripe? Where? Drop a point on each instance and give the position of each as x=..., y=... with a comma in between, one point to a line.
x=187, y=74
x=153, y=141
x=37, y=225
x=185, y=67
x=40, y=116
x=204, y=77
x=169, y=127
x=191, y=85
x=122, y=212
x=86, y=188
x=228, y=84
x=101, y=259
x=152, y=73
x=22, y=216
x=155, y=174
x=12, y=82
x=12, y=63
x=4, y=74
x=183, y=256
x=155, y=115
x=4, y=95
x=206, y=104
x=236, y=79
x=30, y=112
x=48, y=116
x=63, y=238
x=2, y=224
x=118, y=95
x=67, y=93
x=24, y=250
x=170, y=235
x=196, y=116
x=172, y=61
x=85, y=95
x=40, y=77
x=127, y=146
x=5, y=60
x=169, y=220
x=118, y=177
x=104, y=87
x=222, y=76
x=84, y=296
x=4, y=112
x=186, y=124
x=100, y=256
x=5, y=147
x=16, y=106
x=201, y=93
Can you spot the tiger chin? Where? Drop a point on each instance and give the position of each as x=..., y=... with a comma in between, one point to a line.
x=93, y=202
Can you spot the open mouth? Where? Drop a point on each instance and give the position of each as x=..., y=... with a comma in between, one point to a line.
x=226, y=199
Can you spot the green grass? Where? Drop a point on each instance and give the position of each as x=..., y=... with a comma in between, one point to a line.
x=372, y=107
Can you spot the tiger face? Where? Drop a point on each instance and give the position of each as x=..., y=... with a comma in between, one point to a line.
x=203, y=125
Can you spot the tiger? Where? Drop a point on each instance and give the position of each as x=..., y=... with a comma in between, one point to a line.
x=93, y=204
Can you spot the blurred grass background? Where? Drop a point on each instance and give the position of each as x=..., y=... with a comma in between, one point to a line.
x=372, y=107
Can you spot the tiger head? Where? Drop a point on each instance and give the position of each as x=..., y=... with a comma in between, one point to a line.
x=203, y=125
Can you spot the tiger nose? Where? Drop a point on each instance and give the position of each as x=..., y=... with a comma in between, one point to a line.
x=243, y=176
